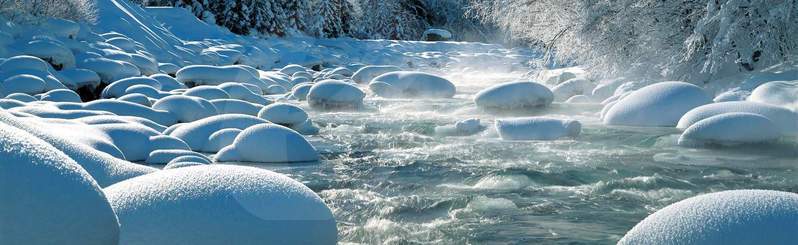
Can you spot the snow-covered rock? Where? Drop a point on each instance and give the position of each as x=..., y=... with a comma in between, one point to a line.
x=47, y=197
x=168, y=68
x=786, y=120
x=220, y=204
x=411, y=84
x=657, y=105
x=514, y=95
x=23, y=83
x=606, y=88
x=727, y=217
x=234, y=106
x=137, y=98
x=241, y=92
x=167, y=82
x=270, y=143
x=197, y=133
x=537, y=128
x=292, y=69
x=572, y=87
x=80, y=78
x=53, y=52
x=110, y=70
x=465, y=127
x=300, y=91
x=22, y=97
x=436, y=35
x=732, y=95
x=195, y=75
x=780, y=93
x=730, y=129
x=132, y=139
x=284, y=114
x=335, y=94
x=124, y=108
x=579, y=99
x=118, y=88
x=186, y=108
x=166, y=156
x=557, y=76
x=61, y=95
x=207, y=92
x=365, y=74
x=221, y=139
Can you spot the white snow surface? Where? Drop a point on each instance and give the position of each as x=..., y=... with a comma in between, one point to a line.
x=404, y=84
x=537, y=128
x=656, y=105
x=730, y=129
x=514, y=95
x=780, y=93
x=786, y=120
x=270, y=143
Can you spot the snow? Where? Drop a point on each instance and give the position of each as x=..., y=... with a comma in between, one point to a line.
x=106, y=119
x=606, y=88
x=572, y=87
x=188, y=159
x=207, y=92
x=221, y=139
x=132, y=139
x=410, y=84
x=166, y=156
x=167, y=82
x=80, y=78
x=300, y=91
x=233, y=106
x=137, y=98
x=786, y=120
x=110, y=70
x=780, y=93
x=730, y=129
x=727, y=217
x=436, y=35
x=46, y=192
x=22, y=97
x=194, y=75
x=241, y=92
x=292, y=69
x=118, y=88
x=579, y=99
x=61, y=95
x=269, y=143
x=186, y=108
x=514, y=95
x=365, y=74
x=335, y=94
x=284, y=114
x=53, y=52
x=657, y=105
x=464, y=127
x=556, y=76
x=24, y=83
x=197, y=133
x=537, y=128
x=124, y=108
x=219, y=204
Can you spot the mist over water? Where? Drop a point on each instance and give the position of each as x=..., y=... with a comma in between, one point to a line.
x=389, y=179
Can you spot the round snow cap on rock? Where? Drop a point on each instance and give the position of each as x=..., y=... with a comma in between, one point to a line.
x=412, y=84
x=786, y=120
x=186, y=108
x=365, y=74
x=219, y=204
x=268, y=143
x=727, y=217
x=730, y=129
x=284, y=114
x=780, y=93
x=514, y=95
x=537, y=128
x=47, y=198
x=335, y=94
x=656, y=105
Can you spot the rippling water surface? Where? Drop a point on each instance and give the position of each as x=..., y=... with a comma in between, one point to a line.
x=389, y=179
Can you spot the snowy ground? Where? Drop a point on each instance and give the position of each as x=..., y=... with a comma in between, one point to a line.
x=170, y=91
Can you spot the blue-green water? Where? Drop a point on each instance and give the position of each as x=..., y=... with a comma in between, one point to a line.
x=389, y=179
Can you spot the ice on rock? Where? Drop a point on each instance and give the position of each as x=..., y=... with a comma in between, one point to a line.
x=207, y=92
x=283, y=114
x=727, y=217
x=411, y=84
x=514, y=95
x=537, y=128
x=47, y=197
x=465, y=127
x=730, y=129
x=220, y=204
x=780, y=93
x=110, y=70
x=104, y=168
x=61, y=95
x=269, y=143
x=167, y=82
x=786, y=120
x=657, y=105
x=572, y=87
x=197, y=133
x=234, y=106
x=222, y=138
x=23, y=83
x=335, y=94
x=300, y=91
x=186, y=108
x=158, y=157
x=137, y=98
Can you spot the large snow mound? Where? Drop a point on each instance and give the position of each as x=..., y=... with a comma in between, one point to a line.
x=197, y=133
x=780, y=93
x=284, y=114
x=47, y=197
x=335, y=94
x=730, y=129
x=365, y=74
x=186, y=108
x=268, y=143
x=537, y=128
x=727, y=217
x=514, y=95
x=657, y=105
x=220, y=204
x=786, y=120
x=411, y=84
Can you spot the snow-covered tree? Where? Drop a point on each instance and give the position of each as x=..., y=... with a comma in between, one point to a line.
x=400, y=19
x=295, y=14
x=80, y=10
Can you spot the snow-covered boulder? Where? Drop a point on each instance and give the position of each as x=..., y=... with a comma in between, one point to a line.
x=284, y=114
x=186, y=108
x=80, y=78
x=572, y=87
x=23, y=83
x=220, y=204
x=537, y=128
x=118, y=88
x=335, y=94
x=730, y=129
x=137, y=98
x=270, y=143
x=435, y=35
x=167, y=82
x=110, y=70
x=365, y=74
x=234, y=106
x=300, y=91
x=557, y=76
x=207, y=92
x=166, y=156
x=147, y=90
x=786, y=120
x=61, y=95
x=124, y=108
x=411, y=84
x=343, y=71
x=606, y=88
x=292, y=69
x=195, y=75
x=241, y=92
x=188, y=158
x=47, y=197
x=168, y=68
x=656, y=105
x=53, y=52
x=22, y=97
x=197, y=133
x=275, y=89
x=221, y=139
x=732, y=95
x=132, y=139
x=465, y=127
x=514, y=95
x=780, y=93
x=109, y=119
x=727, y=217
x=579, y=99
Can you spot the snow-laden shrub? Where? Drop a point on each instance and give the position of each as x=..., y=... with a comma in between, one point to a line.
x=66, y=9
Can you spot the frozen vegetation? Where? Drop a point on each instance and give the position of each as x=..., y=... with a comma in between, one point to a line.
x=264, y=121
